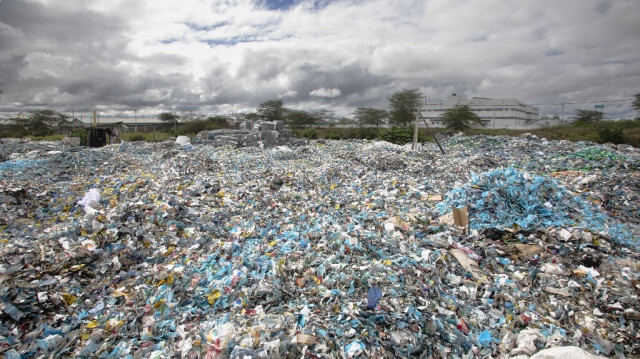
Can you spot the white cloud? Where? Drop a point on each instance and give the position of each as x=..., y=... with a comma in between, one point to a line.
x=323, y=92
x=217, y=55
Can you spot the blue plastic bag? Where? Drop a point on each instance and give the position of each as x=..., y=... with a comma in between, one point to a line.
x=373, y=297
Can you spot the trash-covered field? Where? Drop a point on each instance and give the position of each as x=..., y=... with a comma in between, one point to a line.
x=336, y=249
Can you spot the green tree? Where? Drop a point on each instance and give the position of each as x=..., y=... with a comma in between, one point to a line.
x=272, y=110
x=369, y=116
x=345, y=122
x=325, y=118
x=189, y=115
x=300, y=119
x=168, y=117
x=610, y=134
x=38, y=122
x=588, y=116
x=218, y=121
x=635, y=103
x=460, y=118
x=403, y=106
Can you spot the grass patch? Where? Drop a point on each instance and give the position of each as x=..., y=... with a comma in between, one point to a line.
x=618, y=132
x=53, y=137
x=146, y=136
x=191, y=128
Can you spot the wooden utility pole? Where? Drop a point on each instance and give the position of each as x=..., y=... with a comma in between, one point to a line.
x=415, y=132
x=433, y=135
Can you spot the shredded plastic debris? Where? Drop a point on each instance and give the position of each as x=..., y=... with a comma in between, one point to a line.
x=187, y=249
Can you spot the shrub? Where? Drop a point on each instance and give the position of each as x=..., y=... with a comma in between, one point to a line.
x=193, y=127
x=136, y=137
x=368, y=133
x=401, y=136
x=613, y=135
x=309, y=133
x=80, y=133
x=333, y=135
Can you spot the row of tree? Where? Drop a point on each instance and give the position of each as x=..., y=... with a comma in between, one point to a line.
x=403, y=109
x=36, y=122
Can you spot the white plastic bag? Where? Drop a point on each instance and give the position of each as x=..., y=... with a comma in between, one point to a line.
x=91, y=200
x=569, y=352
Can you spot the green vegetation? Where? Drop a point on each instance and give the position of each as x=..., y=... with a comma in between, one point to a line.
x=370, y=117
x=403, y=107
x=37, y=123
x=80, y=133
x=196, y=125
x=52, y=137
x=148, y=136
x=619, y=132
x=367, y=123
x=624, y=131
x=588, y=116
x=272, y=110
x=460, y=118
x=168, y=117
x=636, y=102
x=300, y=119
x=309, y=133
x=401, y=136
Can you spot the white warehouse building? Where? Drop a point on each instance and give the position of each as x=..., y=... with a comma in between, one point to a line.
x=495, y=113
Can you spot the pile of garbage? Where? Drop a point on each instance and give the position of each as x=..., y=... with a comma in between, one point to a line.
x=334, y=249
x=507, y=198
x=252, y=134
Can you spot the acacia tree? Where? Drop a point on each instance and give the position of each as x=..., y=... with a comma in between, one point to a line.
x=325, y=118
x=369, y=116
x=403, y=106
x=636, y=102
x=460, y=118
x=218, y=121
x=169, y=117
x=588, y=116
x=345, y=122
x=38, y=122
x=300, y=119
x=272, y=110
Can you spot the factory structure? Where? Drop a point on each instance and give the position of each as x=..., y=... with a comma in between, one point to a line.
x=495, y=113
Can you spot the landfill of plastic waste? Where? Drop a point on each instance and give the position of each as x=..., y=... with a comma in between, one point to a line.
x=334, y=249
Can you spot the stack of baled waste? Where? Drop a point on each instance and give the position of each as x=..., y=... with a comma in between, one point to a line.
x=251, y=134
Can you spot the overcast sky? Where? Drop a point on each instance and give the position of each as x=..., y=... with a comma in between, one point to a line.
x=224, y=56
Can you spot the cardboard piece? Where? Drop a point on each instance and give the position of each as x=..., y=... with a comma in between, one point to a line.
x=468, y=263
x=527, y=250
x=459, y=217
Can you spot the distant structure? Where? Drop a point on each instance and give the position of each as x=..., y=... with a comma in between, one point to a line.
x=251, y=134
x=104, y=134
x=495, y=113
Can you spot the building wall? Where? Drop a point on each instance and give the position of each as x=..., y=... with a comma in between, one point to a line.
x=495, y=113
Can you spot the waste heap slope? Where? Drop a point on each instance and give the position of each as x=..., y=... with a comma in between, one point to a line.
x=329, y=250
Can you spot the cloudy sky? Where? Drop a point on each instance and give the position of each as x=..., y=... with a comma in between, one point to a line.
x=225, y=56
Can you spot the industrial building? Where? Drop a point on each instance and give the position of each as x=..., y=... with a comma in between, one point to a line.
x=495, y=113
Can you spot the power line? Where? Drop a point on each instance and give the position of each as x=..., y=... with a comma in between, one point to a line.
x=537, y=104
x=580, y=102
